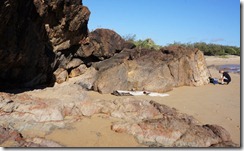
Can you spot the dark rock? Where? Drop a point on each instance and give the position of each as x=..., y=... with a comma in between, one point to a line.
x=23, y=53
x=129, y=45
x=32, y=33
x=117, y=59
x=101, y=43
x=116, y=93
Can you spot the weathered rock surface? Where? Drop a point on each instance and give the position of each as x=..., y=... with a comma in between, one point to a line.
x=102, y=44
x=13, y=138
x=10, y=136
x=78, y=71
x=37, y=37
x=151, y=123
x=48, y=41
x=40, y=142
x=159, y=71
x=174, y=132
x=168, y=128
x=85, y=80
x=24, y=111
x=61, y=75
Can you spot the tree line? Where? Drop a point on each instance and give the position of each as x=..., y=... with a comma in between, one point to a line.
x=213, y=49
x=207, y=49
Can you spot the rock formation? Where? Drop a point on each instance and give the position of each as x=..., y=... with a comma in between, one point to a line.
x=101, y=44
x=152, y=124
x=8, y=135
x=151, y=70
x=13, y=138
x=170, y=128
x=48, y=41
x=38, y=37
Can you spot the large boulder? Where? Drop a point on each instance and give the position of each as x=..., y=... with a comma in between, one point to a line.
x=102, y=44
x=151, y=70
x=37, y=37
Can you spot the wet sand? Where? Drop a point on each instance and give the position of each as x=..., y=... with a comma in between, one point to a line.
x=210, y=104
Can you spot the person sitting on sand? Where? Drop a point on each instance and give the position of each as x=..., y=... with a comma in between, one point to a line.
x=225, y=77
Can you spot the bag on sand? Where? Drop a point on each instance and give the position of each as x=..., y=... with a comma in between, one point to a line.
x=213, y=80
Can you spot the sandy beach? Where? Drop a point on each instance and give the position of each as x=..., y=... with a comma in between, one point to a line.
x=210, y=104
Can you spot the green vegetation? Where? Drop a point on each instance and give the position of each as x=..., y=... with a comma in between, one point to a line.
x=147, y=43
x=213, y=49
x=207, y=49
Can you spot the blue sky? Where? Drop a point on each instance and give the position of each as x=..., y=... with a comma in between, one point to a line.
x=169, y=21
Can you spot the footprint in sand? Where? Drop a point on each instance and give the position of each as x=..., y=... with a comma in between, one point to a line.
x=98, y=134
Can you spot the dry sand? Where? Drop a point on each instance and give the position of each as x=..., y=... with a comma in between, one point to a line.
x=210, y=104
x=93, y=132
